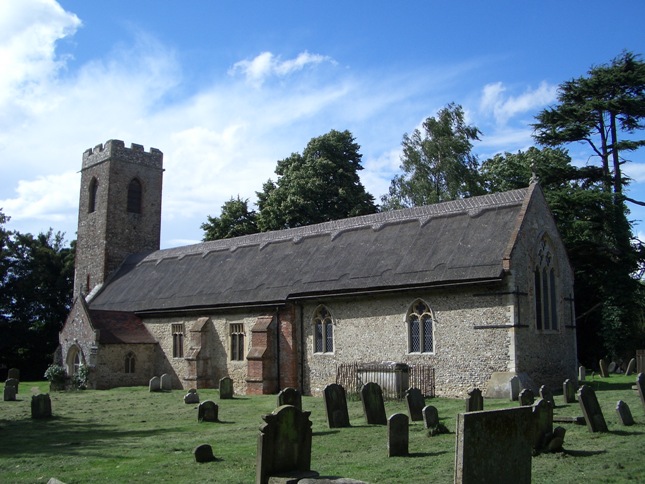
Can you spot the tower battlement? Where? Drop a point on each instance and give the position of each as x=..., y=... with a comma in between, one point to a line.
x=115, y=149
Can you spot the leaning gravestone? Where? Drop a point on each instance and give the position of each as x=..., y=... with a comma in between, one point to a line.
x=582, y=373
x=225, y=388
x=591, y=409
x=624, y=414
x=416, y=402
x=41, y=406
x=204, y=453
x=494, y=446
x=284, y=445
x=543, y=421
x=475, y=401
x=191, y=396
x=336, y=406
x=514, y=387
x=568, y=391
x=604, y=371
x=208, y=411
x=640, y=387
x=165, y=382
x=290, y=396
x=547, y=395
x=430, y=417
x=398, y=435
x=9, y=393
x=154, y=385
x=373, y=405
x=527, y=397
x=631, y=366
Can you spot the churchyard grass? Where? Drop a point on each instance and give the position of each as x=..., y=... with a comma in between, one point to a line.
x=132, y=435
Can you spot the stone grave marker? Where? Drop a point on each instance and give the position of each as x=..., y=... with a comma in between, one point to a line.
x=514, y=387
x=547, y=395
x=41, y=406
x=543, y=421
x=591, y=409
x=12, y=382
x=13, y=373
x=474, y=401
x=284, y=445
x=624, y=414
x=9, y=393
x=568, y=391
x=336, y=406
x=290, y=396
x=557, y=441
x=640, y=387
x=225, y=388
x=604, y=370
x=494, y=446
x=204, y=453
x=415, y=402
x=631, y=367
x=430, y=417
x=154, y=385
x=208, y=411
x=527, y=397
x=398, y=435
x=611, y=368
x=191, y=396
x=582, y=373
x=373, y=405
x=165, y=382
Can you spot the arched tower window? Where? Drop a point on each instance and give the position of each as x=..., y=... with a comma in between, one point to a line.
x=323, y=331
x=420, y=322
x=130, y=361
x=134, y=196
x=92, y=192
x=545, y=286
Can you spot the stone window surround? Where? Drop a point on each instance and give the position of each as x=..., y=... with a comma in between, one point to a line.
x=323, y=329
x=178, y=333
x=237, y=339
x=130, y=362
x=423, y=340
x=545, y=284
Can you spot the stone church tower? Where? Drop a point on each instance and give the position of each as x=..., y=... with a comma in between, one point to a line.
x=119, y=209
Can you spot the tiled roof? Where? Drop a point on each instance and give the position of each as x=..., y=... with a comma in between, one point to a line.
x=120, y=327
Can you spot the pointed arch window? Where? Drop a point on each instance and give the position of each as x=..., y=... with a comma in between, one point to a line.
x=545, y=288
x=134, y=196
x=323, y=331
x=92, y=192
x=130, y=361
x=420, y=322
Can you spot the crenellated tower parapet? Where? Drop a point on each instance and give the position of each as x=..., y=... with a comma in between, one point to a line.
x=115, y=148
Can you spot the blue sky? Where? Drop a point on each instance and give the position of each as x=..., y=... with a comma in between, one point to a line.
x=226, y=89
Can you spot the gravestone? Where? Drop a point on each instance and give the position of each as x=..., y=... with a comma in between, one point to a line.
x=582, y=373
x=336, y=406
x=208, y=411
x=204, y=453
x=604, y=371
x=9, y=393
x=543, y=421
x=494, y=446
x=474, y=401
x=12, y=382
x=611, y=368
x=624, y=414
x=225, y=388
x=165, y=382
x=430, y=417
x=290, y=396
x=13, y=373
x=41, y=406
x=568, y=391
x=416, y=402
x=547, y=395
x=154, y=385
x=514, y=387
x=640, y=387
x=191, y=396
x=373, y=405
x=398, y=435
x=284, y=444
x=591, y=409
x=527, y=397
x=557, y=440
x=631, y=367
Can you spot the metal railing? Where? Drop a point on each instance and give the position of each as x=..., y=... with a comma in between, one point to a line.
x=393, y=378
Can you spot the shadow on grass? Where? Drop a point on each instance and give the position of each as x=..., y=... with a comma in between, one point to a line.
x=624, y=433
x=326, y=432
x=583, y=453
x=426, y=454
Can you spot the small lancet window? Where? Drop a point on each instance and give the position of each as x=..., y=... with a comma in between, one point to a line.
x=92, y=192
x=134, y=196
x=420, y=328
x=323, y=331
x=545, y=288
x=130, y=362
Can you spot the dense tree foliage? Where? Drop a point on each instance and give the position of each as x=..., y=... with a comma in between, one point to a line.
x=319, y=185
x=35, y=296
x=438, y=164
x=235, y=220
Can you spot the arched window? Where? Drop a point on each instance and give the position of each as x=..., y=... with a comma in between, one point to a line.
x=134, y=196
x=323, y=331
x=420, y=322
x=545, y=287
x=74, y=360
x=92, y=191
x=130, y=362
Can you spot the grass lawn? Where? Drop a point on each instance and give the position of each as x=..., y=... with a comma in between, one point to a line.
x=132, y=435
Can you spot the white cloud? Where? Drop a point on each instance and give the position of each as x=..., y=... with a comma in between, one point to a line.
x=266, y=64
x=503, y=107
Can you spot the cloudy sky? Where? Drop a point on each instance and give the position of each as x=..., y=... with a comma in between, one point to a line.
x=226, y=89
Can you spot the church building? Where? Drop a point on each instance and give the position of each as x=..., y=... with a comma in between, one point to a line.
x=478, y=289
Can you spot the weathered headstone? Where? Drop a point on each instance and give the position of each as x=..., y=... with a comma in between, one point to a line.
x=225, y=388
x=398, y=435
x=154, y=385
x=494, y=446
x=208, y=411
x=547, y=395
x=568, y=391
x=9, y=393
x=557, y=440
x=416, y=402
x=13, y=373
x=191, y=396
x=591, y=409
x=336, y=406
x=631, y=367
x=474, y=401
x=624, y=414
x=41, y=406
x=582, y=373
x=290, y=396
x=604, y=370
x=527, y=397
x=543, y=421
x=640, y=387
x=611, y=368
x=204, y=453
x=373, y=405
x=12, y=382
x=284, y=444
x=430, y=416
x=515, y=388
x=165, y=382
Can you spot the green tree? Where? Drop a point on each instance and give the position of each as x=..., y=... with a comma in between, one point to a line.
x=235, y=220
x=319, y=185
x=438, y=164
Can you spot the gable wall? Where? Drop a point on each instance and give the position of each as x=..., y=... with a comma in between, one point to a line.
x=77, y=331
